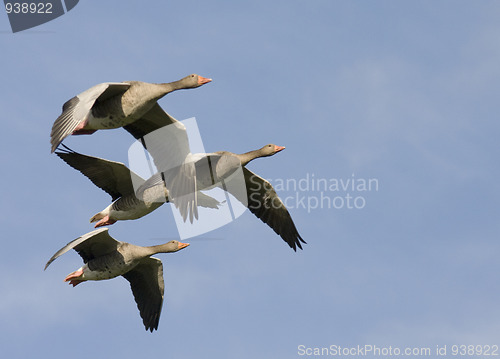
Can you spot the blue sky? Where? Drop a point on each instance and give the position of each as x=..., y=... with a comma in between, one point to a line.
x=403, y=92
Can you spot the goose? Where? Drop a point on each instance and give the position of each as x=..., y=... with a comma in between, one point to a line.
x=104, y=258
x=118, y=181
x=259, y=196
x=112, y=105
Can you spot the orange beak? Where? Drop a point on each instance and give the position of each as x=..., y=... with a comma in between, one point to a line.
x=203, y=80
x=279, y=148
x=183, y=245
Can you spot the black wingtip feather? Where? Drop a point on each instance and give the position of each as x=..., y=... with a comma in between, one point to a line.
x=63, y=125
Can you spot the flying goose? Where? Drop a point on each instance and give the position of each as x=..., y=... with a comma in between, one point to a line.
x=112, y=105
x=107, y=258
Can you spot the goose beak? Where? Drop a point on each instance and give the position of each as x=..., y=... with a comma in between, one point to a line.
x=279, y=148
x=183, y=245
x=203, y=80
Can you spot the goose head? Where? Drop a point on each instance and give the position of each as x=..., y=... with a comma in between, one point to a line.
x=194, y=80
x=270, y=150
x=174, y=246
x=266, y=151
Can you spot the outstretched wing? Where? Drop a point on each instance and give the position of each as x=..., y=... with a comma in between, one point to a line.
x=76, y=110
x=264, y=203
x=112, y=177
x=89, y=246
x=146, y=282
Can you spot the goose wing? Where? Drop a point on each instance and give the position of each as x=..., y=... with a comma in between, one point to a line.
x=264, y=203
x=76, y=110
x=112, y=177
x=89, y=246
x=146, y=282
